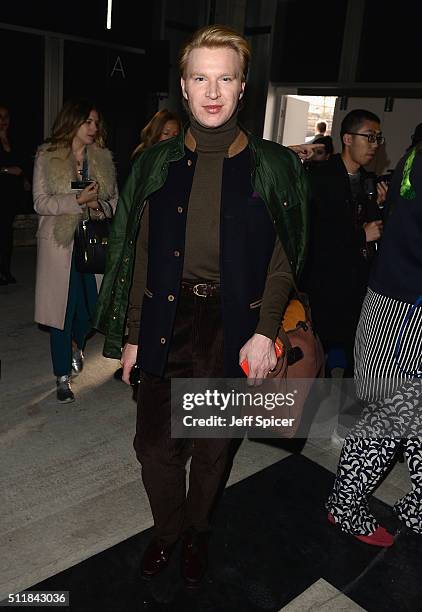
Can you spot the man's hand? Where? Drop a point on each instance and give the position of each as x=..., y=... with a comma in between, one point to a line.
x=382, y=189
x=305, y=151
x=128, y=360
x=373, y=230
x=260, y=353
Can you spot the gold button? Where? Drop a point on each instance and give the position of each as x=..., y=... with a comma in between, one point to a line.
x=179, y=209
x=189, y=162
x=176, y=253
x=170, y=298
x=162, y=340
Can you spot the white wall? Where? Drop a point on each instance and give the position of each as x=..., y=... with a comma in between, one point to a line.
x=295, y=121
x=270, y=112
x=281, y=124
x=275, y=112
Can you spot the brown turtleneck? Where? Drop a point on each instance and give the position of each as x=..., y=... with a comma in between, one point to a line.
x=202, y=244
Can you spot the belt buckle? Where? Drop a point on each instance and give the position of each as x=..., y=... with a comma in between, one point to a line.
x=196, y=290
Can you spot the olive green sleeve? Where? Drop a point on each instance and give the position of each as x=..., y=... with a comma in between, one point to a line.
x=277, y=289
x=139, y=281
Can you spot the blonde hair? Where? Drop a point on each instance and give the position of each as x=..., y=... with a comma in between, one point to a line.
x=73, y=114
x=217, y=36
x=151, y=133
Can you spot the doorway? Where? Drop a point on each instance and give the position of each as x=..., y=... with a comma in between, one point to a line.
x=295, y=117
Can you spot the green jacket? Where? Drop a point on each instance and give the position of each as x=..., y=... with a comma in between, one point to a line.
x=277, y=176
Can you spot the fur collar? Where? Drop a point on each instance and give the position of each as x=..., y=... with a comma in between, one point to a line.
x=59, y=168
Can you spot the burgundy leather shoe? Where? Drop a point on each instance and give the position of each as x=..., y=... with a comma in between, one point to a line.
x=194, y=558
x=380, y=537
x=155, y=558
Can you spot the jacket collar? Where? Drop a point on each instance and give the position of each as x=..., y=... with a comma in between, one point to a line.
x=175, y=147
x=337, y=161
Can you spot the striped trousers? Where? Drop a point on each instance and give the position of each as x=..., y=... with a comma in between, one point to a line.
x=390, y=387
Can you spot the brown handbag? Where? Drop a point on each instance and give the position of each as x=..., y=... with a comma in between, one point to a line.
x=302, y=358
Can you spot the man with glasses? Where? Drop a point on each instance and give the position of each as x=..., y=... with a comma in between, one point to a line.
x=345, y=225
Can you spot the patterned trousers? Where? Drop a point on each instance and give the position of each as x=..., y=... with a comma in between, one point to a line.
x=394, y=418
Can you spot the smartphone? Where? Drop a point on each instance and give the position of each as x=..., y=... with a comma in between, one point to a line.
x=135, y=375
x=278, y=347
x=79, y=185
x=386, y=178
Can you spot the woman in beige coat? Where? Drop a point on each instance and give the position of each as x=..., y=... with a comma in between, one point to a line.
x=65, y=298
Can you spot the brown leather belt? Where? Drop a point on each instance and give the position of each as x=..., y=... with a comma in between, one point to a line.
x=202, y=290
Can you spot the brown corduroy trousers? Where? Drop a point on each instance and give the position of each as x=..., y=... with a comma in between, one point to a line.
x=196, y=351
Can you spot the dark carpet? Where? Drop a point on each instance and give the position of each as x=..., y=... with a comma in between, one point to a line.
x=271, y=541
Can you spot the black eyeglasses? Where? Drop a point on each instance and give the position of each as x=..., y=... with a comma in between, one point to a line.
x=372, y=138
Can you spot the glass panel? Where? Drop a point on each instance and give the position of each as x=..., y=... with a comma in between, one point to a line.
x=390, y=44
x=22, y=90
x=118, y=84
x=308, y=41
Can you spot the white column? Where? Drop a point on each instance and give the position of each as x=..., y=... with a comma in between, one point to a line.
x=53, y=81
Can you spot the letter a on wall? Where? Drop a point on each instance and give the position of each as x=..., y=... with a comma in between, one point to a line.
x=118, y=67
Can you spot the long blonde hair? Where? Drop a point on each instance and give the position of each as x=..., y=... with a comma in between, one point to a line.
x=151, y=133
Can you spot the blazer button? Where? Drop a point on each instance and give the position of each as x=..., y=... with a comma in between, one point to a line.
x=170, y=298
x=189, y=162
x=162, y=340
x=122, y=280
x=285, y=204
x=179, y=209
x=176, y=253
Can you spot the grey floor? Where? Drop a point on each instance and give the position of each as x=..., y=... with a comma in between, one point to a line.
x=69, y=481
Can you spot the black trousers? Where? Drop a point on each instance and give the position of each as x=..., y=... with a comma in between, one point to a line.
x=6, y=242
x=196, y=352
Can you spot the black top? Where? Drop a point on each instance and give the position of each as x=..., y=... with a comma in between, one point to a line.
x=337, y=268
x=397, y=272
x=11, y=186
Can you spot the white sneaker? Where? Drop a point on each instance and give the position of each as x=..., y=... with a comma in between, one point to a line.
x=64, y=390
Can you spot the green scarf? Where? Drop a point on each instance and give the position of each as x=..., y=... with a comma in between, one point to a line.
x=407, y=190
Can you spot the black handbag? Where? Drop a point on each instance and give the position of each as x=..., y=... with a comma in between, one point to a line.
x=90, y=245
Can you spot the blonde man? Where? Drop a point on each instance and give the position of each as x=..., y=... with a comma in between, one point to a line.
x=222, y=233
